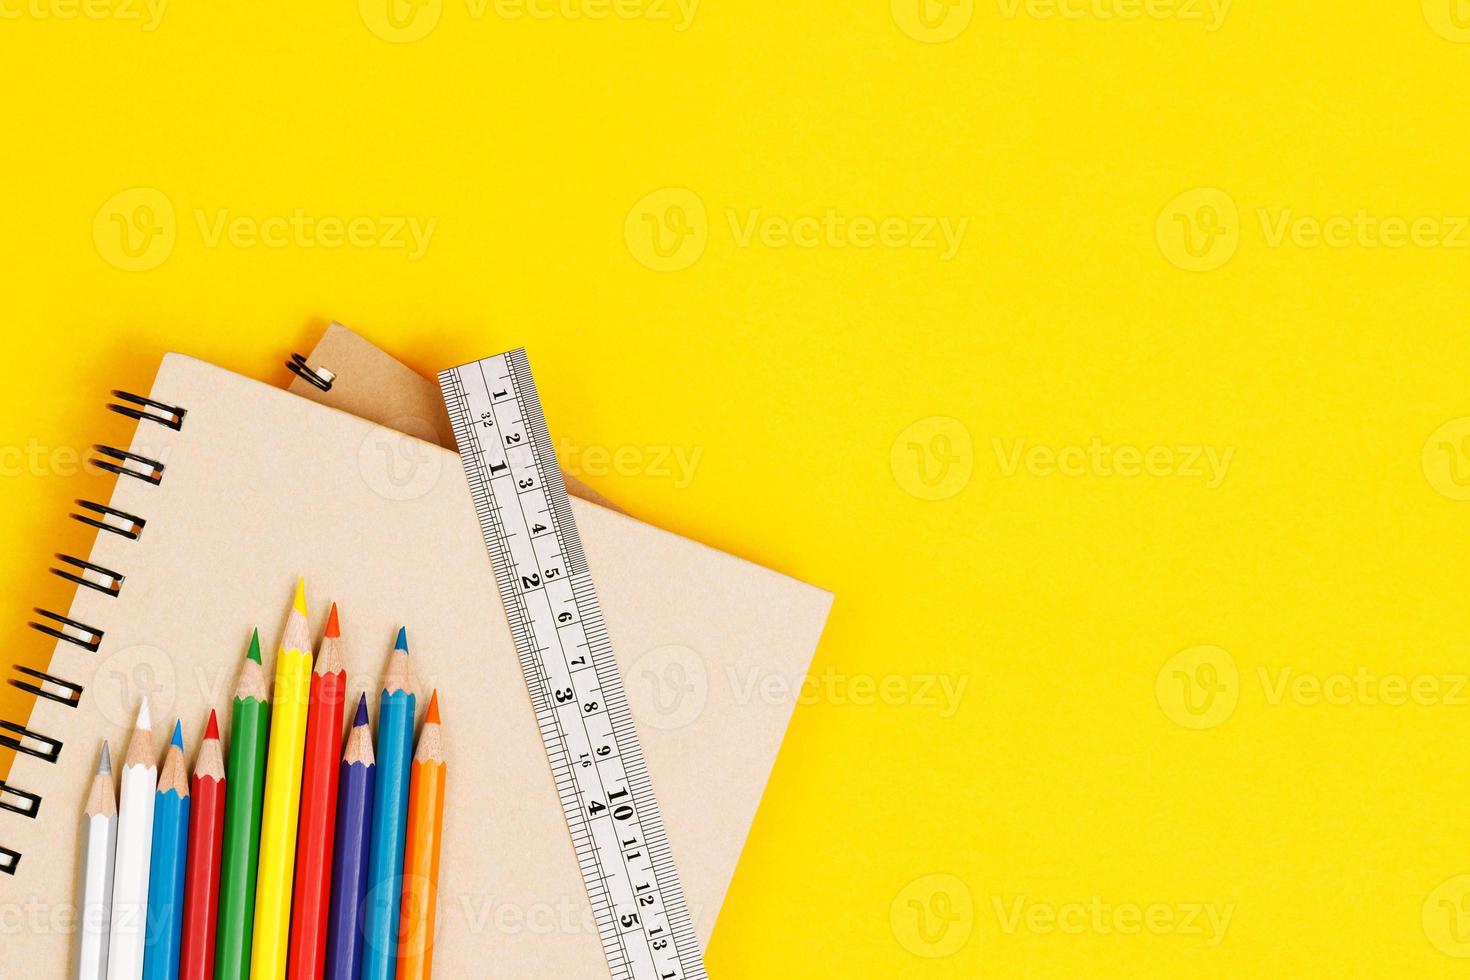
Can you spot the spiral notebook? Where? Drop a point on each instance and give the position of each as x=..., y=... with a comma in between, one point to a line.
x=231, y=488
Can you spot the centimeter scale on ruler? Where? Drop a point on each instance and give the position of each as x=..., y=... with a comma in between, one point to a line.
x=576, y=691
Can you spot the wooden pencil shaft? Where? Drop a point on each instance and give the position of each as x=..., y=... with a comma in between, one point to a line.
x=421, y=865
x=357, y=783
x=99, y=849
x=311, y=894
x=239, y=854
x=201, y=884
x=166, y=877
x=127, y=933
x=390, y=824
x=280, y=814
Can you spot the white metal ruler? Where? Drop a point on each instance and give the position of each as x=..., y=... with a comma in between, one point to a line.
x=567, y=659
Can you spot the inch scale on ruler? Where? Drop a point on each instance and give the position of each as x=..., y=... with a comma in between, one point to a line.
x=576, y=691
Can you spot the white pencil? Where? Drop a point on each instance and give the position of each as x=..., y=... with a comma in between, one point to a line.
x=134, y=854
x=98, y=848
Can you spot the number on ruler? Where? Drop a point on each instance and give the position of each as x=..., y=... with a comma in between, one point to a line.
x=557, y=625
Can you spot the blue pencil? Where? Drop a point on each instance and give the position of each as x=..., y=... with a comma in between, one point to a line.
x=350, y=859
x=166, y=871
x=390, y=817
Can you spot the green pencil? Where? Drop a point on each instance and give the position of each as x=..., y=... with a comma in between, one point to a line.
x=245, y=775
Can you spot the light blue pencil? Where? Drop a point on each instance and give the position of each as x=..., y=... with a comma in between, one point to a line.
x=170, y=857
x=390, y=817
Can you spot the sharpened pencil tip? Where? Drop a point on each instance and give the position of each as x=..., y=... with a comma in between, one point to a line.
x=332, y=628
x=361, y=718
x=300, y=602
x=178, y=740
x=104, y=768
x=212, y=729
x=432, y=716
x=145, y=720
x=402, y=642
x=254, y=653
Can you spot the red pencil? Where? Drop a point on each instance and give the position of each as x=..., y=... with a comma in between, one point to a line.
x=201, y=880
x=311, y=897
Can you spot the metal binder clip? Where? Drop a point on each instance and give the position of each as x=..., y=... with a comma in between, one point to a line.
x=318, y=377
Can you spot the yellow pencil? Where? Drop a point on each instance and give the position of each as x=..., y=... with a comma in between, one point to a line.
x=282, y=796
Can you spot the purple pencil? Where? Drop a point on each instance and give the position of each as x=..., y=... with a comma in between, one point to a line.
x=350, y=859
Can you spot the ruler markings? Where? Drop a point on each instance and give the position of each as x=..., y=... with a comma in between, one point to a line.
x=575, y=688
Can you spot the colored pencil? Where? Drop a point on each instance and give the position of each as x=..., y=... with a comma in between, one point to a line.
x=312, y=894
x=169, y=859
x=249, y=727
x=282, y=796
x=206, y=840
x=134, y=851
x=421, y=852
x=98, y=853
x=390, y=816
x=350, y=859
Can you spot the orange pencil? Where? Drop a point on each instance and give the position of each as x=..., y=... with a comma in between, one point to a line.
x=421, y=851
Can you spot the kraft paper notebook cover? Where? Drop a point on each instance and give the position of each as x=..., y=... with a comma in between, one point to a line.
x=370, y=384
x=259, y=485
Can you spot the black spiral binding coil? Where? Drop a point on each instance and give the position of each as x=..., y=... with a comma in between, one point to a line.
x=85, y=574
x=317, y=377
x=49, y=687
x=121, y=522
x=22, y=739
x=124, y=463
x=112, y=586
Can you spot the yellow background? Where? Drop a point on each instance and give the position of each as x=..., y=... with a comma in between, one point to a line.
x=892, y=832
